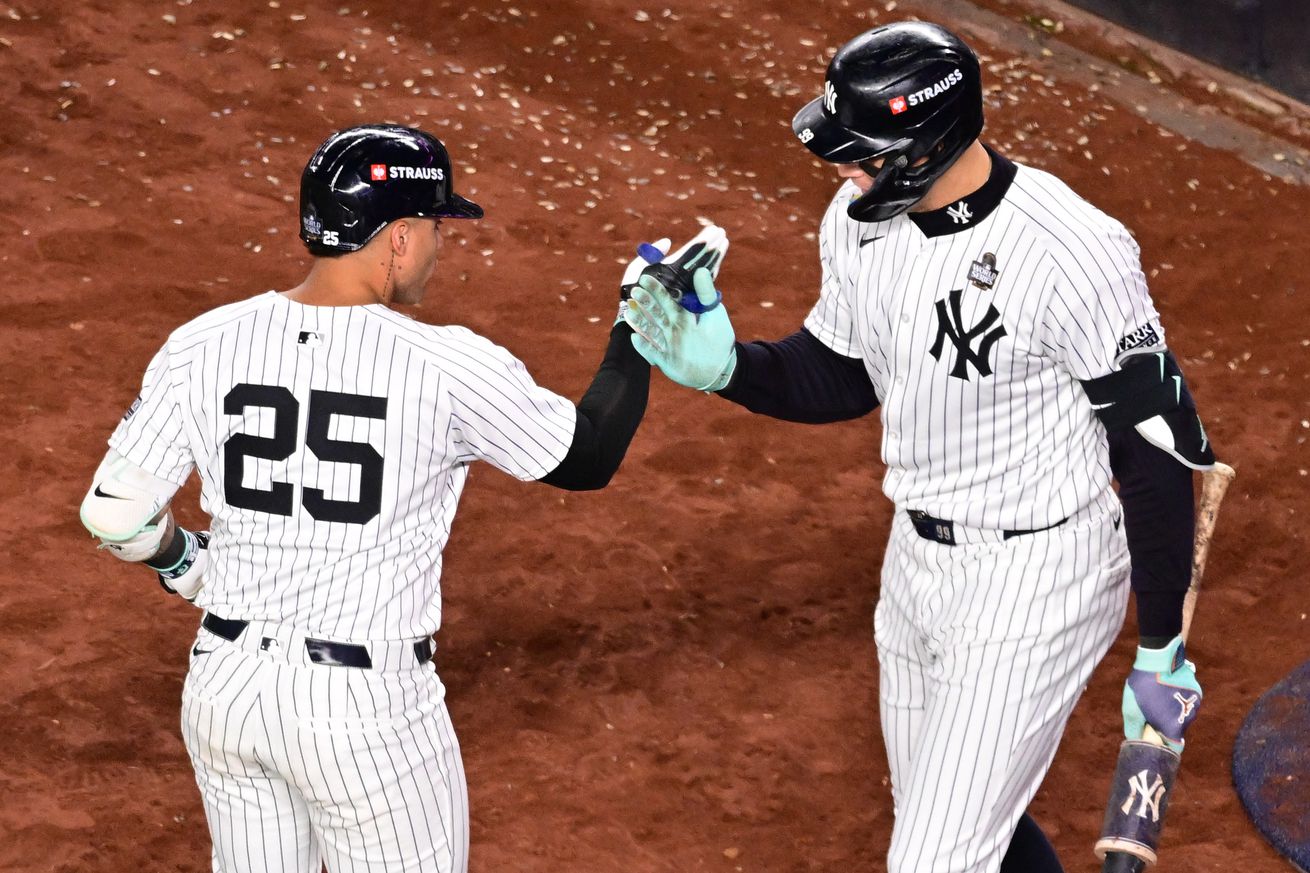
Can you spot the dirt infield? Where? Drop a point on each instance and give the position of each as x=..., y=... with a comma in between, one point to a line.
x=674, y=674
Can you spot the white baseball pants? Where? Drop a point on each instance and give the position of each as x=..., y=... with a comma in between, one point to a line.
x=301, y=763
x=984, y=648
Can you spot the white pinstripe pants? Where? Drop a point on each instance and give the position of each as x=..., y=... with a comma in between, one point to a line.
x=302, y=763
x=983, y=651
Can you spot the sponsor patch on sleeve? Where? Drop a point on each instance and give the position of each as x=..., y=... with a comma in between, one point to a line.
x=1145, y=336
x=131, y=410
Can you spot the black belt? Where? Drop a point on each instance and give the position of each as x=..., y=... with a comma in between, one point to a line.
x=943, y=531
x=318, y=651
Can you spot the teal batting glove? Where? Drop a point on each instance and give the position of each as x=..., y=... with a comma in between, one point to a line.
x=693, y=349
x=1162, y=692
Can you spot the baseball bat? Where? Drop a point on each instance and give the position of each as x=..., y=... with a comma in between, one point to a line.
x=1133, y=852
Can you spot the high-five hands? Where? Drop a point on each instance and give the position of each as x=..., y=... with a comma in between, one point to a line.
x=677, y=314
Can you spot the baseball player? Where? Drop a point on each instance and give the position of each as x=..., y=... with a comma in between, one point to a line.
x=1003, y=327
x=333, y=437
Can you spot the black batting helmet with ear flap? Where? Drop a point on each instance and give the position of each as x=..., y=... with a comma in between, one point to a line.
x=362, y=178
x=901, y=93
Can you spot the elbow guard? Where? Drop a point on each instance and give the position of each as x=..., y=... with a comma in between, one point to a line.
x=127, y=508
x=1148, y=394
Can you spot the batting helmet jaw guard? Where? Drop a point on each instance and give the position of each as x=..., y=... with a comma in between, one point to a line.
x=362, y=178
x=908, y=94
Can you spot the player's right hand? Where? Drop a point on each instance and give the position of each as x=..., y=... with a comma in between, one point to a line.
x=693, y=349
x=1162, y=692
x=647, y=254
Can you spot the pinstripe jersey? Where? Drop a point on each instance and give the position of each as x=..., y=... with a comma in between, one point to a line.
x=332, y=445
x=975, y=335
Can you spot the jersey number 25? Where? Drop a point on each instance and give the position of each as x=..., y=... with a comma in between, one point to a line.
x=280, y=500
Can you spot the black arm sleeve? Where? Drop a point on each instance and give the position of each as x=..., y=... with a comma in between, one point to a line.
x=608, y=415
x=798, y=378
x=1156, y=491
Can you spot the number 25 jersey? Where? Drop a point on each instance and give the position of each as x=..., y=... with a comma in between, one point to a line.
x=333, y=444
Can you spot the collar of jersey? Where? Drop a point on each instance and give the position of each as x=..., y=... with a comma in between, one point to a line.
x=968, y=211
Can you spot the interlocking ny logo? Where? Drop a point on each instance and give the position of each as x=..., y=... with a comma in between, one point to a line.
x=830, y=98
x=960, y=213
x=951, y=326
x=1150, y=794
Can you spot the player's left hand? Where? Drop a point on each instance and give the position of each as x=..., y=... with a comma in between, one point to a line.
x=1161, y=691
x=706, y=250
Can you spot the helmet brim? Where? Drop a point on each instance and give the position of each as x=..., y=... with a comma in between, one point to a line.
x=459, y=207
x=828, y=139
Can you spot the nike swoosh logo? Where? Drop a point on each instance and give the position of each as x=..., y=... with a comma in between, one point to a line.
x=99, y=493
x=865, y=242
x=196, y=650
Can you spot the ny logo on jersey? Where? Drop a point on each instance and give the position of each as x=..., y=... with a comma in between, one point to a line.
x=950, y=325
x=1150, y=794
x=960, y=213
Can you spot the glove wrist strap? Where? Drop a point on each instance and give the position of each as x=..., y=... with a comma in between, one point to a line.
x=725, y=376
x=1164, y=660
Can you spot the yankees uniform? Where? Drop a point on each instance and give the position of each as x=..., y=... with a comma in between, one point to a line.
x=1008, y=337
x=333, y=443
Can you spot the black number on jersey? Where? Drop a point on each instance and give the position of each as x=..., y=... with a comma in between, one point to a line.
x=278, y=447
x=280, y=500
x=322, y=406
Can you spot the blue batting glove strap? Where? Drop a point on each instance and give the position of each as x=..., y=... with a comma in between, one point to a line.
x=1161, y=691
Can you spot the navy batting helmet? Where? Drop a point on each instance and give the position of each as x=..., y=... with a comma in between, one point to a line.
x=364, y=177
x=901, y=93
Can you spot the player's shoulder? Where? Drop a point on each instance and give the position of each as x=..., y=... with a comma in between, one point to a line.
x=227, y=317
x=446, y=346
x=840, y=233
x=835, y=217
x=1058, y=212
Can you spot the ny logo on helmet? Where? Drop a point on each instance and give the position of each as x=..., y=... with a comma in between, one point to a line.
x=951, y=326
x=829, y=98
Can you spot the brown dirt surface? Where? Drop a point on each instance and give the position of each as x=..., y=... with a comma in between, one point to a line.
x=676, y=673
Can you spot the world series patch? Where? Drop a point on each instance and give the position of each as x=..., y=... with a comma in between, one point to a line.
x=983, y=271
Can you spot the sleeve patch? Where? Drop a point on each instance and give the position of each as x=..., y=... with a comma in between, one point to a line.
x=131, y=410
x=1143, y=337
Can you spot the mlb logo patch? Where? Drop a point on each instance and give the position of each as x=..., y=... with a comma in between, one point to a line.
x=378, y=172
x=898, y=105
